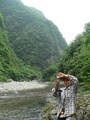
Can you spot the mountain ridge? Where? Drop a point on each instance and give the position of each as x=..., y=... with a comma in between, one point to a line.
x=28, y=28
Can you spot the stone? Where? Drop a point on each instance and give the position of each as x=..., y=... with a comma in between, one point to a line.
x=83, y=109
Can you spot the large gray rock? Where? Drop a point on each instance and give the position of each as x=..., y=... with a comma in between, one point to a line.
x=83, y=109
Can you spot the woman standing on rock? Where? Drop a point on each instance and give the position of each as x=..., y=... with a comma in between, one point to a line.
x=67, y=96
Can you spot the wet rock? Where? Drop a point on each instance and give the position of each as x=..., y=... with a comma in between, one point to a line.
x=83, y=109
x=88, y=107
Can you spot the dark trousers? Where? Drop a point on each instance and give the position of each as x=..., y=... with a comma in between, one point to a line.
x=62, y=118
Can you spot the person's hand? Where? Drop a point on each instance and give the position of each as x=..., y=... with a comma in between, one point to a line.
x=61, y=75
x=57, y=84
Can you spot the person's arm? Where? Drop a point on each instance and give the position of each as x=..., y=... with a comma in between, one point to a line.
x=70, y=77
x=73, y=79
x=62, y=75
x=75, y=82
x=56, y=89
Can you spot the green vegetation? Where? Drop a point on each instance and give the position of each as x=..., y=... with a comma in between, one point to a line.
x=11, y=67
x=30, y=44
x=49, y=74
x=76, y=60
x=35, y=40
x=32, y=47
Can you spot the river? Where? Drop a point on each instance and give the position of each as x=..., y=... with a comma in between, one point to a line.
x=24, y=104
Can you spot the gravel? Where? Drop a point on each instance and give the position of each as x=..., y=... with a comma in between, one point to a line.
x=20, y=85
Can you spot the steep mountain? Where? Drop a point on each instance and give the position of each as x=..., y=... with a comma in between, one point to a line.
x=35, y=39
x=11, y=67
x=75, y=61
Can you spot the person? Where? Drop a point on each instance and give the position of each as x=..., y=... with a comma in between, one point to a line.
x=67, y=96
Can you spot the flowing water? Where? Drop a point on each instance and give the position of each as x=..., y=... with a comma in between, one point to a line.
x=25, y=104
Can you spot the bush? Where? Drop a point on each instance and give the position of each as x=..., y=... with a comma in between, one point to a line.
x=3, y=79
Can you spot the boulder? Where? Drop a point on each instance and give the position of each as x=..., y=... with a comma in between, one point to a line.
x=83, y=109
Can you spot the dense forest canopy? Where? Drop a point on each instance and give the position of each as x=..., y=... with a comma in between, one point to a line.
x=33, y=47
x=11, y=67
x=35, y=39
x=76, y=59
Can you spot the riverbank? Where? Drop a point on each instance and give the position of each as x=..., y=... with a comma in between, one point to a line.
x=25, y=104
x=12, y=86
x=83, y=108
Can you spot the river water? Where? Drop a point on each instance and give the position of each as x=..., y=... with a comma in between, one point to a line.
x=25, y=104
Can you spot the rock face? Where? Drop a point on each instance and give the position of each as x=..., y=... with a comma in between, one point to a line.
x=83, y=109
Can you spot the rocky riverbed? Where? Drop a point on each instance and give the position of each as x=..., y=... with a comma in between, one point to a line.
x=83, y=108
x=15, y=86
x=50, y=110
x=23, y=100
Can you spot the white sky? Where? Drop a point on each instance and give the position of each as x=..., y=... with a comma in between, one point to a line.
x=69, y=16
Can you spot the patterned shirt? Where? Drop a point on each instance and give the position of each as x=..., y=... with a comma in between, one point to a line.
x=68, y=98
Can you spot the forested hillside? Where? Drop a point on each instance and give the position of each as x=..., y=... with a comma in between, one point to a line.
x=76, y=59
x=35, y=40
x=38, y=43
x=11, y=67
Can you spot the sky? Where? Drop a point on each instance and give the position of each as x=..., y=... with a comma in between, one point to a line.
x=70, y=16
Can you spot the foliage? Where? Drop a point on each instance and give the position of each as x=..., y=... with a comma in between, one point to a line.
x=11, y=67
x=76, y=59
x=35, y=40
x=49, y=74
x=85, y=88
x=38, y=43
